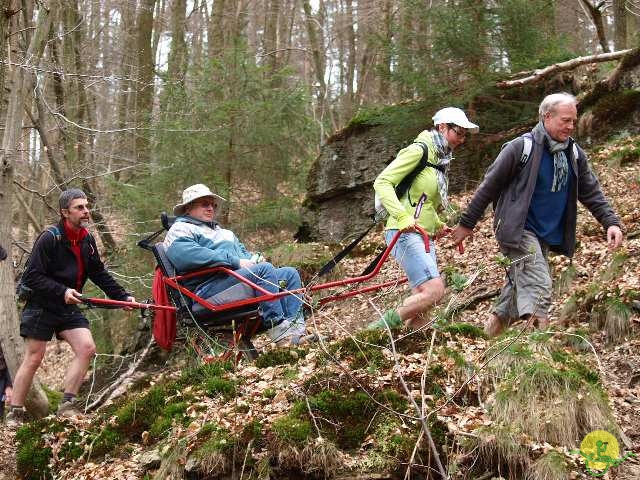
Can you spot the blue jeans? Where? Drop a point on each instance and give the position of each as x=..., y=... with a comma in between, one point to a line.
x=268, y=277
x=409, y=252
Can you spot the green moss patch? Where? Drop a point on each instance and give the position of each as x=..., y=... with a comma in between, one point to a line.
x=32, y=457
x=363, y=350
x=280, y=356
x=464, y=330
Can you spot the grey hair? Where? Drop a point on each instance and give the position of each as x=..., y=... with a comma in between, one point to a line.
x=69, y=196
x=550, y=102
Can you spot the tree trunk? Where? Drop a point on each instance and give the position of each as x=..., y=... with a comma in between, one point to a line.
x=177, y=66
x=384, y=65
x=216, y=29
x=349, y=104
x=270, y=44
x=595, y=11
x=317, y=56
x=12, y=345
x=144, y=89
x=620, y=24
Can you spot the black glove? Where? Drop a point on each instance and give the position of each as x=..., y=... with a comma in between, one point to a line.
x=3, y=253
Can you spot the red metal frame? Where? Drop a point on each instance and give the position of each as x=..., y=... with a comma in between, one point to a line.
x=266, y=295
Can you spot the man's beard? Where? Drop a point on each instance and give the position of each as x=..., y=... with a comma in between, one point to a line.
x=85, y=223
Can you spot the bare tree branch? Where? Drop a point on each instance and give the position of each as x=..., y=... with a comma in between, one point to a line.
x=539, y=74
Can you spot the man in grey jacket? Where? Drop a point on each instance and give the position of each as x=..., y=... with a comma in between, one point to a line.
x=535, y=203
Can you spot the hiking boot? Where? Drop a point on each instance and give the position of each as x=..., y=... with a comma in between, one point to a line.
x=68, y=410
x=391, y=318
x=494, y=326
x=16, y=417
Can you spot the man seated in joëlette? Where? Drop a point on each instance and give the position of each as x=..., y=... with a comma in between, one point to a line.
x=196, y=241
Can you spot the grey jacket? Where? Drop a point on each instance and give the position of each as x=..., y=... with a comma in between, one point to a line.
x=511, y=190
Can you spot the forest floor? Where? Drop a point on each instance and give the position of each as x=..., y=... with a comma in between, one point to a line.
x=618, y=361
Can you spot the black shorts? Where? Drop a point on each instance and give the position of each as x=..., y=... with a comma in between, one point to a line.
x=39, y=323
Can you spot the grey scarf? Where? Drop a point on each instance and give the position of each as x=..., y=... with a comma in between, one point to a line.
x=560, y=161
x=444, y=154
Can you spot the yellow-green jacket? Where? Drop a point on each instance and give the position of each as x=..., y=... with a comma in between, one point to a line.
x=401, y=210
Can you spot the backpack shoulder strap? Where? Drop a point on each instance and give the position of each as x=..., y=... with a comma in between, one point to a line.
x=55, y=231
x=406, y=182
x=574, y=149
x=526, y=149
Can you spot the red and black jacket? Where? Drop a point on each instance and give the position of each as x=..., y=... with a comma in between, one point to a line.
x=52, y=268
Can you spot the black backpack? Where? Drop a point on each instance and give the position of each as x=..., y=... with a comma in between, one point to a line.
x=22, y=291
x=405, y=184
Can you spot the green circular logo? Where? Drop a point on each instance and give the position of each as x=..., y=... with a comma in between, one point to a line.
x=600, y=449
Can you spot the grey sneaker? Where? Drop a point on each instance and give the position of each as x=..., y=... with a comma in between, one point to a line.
x=16, y=417
x=68, y=410
x=281, y=332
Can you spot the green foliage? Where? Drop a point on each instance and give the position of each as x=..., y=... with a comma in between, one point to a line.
x=393, y=400
x=269, y=392
x=72, y=448
x=455, y=278
x=273, y=213
x=233, y=117
x=215, y=386
x=525, y=32
x=364, y=349
x=32, y=456
x=280, y=356
x=162, y=424
x=464, y=330
x=626, y=153
x=202, y=373
x=54, y=398
x=391, y=439
x=455, y=355
x=218, y=440
x=106, y=441
x=551, y=466
x=350, y=414
x=557, y=403
x=292, y=430
x=503, y=260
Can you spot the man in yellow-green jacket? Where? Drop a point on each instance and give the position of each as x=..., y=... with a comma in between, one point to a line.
x=427, y=288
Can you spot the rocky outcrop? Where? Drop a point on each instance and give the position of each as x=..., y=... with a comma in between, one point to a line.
x=339, y=200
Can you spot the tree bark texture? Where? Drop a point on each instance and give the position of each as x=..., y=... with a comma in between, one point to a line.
x=144, y=75
x=595, y=11
x=12, y=346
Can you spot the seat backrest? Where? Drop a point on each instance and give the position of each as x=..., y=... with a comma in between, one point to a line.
x=163, y=260
x=168, y=270
x=166, y=220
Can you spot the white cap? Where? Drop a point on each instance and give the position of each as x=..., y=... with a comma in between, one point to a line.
x=456, y=116
x=193, y=193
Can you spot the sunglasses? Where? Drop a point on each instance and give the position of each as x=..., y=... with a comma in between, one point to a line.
x=461, y=132
x=206, y=204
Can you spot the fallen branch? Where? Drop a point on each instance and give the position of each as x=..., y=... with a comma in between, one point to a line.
x=467, y=302
x=111, y=391
x=541, y=73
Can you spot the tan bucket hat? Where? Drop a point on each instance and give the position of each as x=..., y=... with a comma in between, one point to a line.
x=193, y=193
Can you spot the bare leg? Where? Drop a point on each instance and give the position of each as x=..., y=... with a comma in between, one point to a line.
x=84, y=349
x=33, y=354
x=422, y=299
